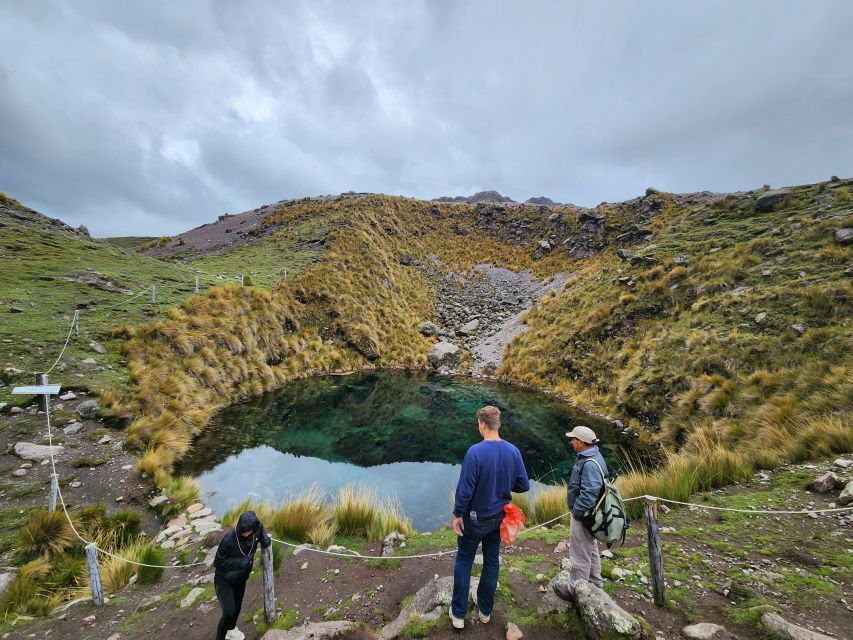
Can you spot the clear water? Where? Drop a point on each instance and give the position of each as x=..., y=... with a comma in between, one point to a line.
x=402, y=434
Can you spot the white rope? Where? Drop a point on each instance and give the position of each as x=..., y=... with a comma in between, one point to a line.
x=753, y=511
x=126, y=300
x=358, y=556
x=67, y=340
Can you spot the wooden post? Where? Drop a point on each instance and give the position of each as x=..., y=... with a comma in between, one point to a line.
x=94, y=574
x=241, y=280
x=54, y=490
x=285, y=273
x=41, y=379
x=153, y=294
x=269, y=585
x=655, y=554
x=76, y=323
x=196, y=284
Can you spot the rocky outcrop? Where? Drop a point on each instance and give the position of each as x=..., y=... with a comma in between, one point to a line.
x=770, y=200
x=604, y=619
x=436, y=594
x=778, y=627
x=590, y=237
x=443, y=354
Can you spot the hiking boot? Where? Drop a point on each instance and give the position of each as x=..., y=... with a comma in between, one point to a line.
x=458, y=623
x=235, y=634
x=562, y=590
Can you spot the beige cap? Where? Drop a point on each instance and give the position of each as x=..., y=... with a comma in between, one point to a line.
x=582, y=433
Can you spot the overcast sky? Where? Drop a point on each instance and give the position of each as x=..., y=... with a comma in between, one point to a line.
x=148, y=118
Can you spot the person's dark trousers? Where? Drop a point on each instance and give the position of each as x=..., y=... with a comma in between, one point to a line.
x=489, y=533
x=230, y=599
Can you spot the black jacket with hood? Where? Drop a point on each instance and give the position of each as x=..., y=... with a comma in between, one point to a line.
x=234, y=558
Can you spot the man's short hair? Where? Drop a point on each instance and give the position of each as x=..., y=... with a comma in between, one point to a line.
x=490, y=417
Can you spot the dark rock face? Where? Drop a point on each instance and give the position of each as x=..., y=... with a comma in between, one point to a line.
x=770, y=200
x=590, y=238
x=541, y=201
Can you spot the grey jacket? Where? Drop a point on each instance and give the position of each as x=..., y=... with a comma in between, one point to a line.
x=586, y=483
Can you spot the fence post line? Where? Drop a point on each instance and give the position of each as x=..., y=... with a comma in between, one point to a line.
x=76, y=323
x=41, y=379
x=94, y=574
x=196, y=284
x=153, y=294
x=655, y=553
x=54, y=490
x=241, y=280
x=269, y=585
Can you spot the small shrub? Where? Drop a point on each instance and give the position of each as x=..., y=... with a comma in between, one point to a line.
x=46, y=533
x=154, y=555
x=299, y=514
x=354, y=510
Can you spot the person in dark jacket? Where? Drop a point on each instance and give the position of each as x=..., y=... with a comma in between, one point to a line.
x=584, y=490
x=233, y=564
x=491, y=471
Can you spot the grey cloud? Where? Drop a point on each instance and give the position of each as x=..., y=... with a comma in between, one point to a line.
x=148, y=119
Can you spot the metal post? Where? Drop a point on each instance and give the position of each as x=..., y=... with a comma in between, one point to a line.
x=54, y=490
x=269, y=585
x=655, y=553
x=76, y=323
x=94, y=574
x=196, y=284
x=153, y=294
x=41, y=379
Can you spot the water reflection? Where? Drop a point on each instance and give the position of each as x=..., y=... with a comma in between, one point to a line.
x=402, y=434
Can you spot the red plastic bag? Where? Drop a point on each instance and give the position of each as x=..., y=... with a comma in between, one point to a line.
x=512, y=523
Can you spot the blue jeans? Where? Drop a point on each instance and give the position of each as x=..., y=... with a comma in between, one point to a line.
x=489, y=533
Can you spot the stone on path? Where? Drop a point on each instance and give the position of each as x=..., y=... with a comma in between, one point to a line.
x=314, y=631
x=97, y=347
x=89, y=409
x=199, y=513
x=443, y=354
x=846, y=496
x=191, y=597
x=513, y=632
x=842, y=463
x=469, y=328
x=73, y=428
x=551, y=603
x=195, y=507
x=65, y=397
x=32, y=451
x=703, y=631
x=438, y=592
x=392, y=542
x=604, y=619
x=781, y=628
x=825, y=483
x=156, y=502
x=561, y=548
x=18, y=473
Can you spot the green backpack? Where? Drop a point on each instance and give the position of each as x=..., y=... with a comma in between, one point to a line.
x=607, y=521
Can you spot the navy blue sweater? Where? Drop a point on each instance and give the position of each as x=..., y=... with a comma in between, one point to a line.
x=491, y=471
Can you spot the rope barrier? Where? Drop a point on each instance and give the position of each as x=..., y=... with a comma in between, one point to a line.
x=753, y=511
x=67, y=340
x=126, y=300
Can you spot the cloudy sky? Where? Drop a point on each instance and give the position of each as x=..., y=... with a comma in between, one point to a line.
x=148, y=118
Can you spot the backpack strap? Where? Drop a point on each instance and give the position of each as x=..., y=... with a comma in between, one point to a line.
x=604, y=490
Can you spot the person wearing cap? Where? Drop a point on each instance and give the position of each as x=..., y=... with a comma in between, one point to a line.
x=233, y=564
x=585, y=486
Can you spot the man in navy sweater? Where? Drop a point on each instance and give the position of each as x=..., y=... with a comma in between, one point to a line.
x=491, y=471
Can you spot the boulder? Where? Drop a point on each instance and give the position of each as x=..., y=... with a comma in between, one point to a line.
x=428, y=328
x=438, y=592
x=846, y=496
x=651, y=191
x=191, y=597
x=844, y=236
x=781, y=628
x=392, y=542
x=73, y=428
x=156, y=502
x=89, y=410
x=314, y=631
x=769, y=200
x=624, y=254
x=604, y=619
x=469, y=328
x=550, y=602
x=31, y=451
x=443, y=354
x=704, y=631
x=825, y=483
x=406, y=260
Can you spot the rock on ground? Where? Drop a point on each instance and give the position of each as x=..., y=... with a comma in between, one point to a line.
x=513, y=632
x=767, y=201
x=604, y=619
x=315, y=631
x=704, y=631
x=438, y=592
x=781, y=628
x=844, y=236
x=551, y=603
x=443, y=354
x=825, y=483
x=191, y=597
x=89, y=409
x=32, y=451
x=846, y=496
